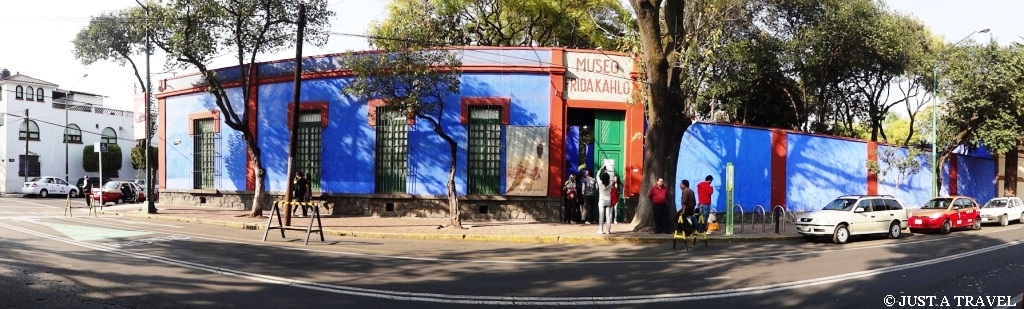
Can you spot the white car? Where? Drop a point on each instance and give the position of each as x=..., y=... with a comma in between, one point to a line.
x=1003, y=210
x=46, y=185
x=855, y=215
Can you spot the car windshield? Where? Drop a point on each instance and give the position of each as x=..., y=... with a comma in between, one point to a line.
x=843, y=204
x=938, y=203
x=1000, y=203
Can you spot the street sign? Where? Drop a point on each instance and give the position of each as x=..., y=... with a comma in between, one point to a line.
x=103, y=147
x=96, y=147
x=730, y=176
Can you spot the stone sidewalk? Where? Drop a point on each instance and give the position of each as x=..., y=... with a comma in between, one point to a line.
x=433, y=228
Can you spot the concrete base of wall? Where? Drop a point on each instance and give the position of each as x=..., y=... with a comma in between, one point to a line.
x=542, y=209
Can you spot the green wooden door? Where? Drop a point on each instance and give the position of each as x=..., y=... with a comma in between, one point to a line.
x=609, y=139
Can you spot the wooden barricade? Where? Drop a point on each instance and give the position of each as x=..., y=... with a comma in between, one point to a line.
x=68, y=209
x=276, y=211
x=680, y=234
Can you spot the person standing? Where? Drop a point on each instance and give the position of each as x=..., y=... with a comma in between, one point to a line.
x=571, y=199
x=589, y=197
x=300, y=192
x=616, y=190
x=704, y=191
x=658, y=194
x=687, y=201
x=604, y=203
x=87, y=190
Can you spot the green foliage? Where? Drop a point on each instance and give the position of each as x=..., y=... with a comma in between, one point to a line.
x=575, y=24
x=139, y=156
x=985, y=87
x=892, y=160
x=112, y=160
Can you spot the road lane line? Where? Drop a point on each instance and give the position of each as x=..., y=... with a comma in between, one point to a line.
x=516, y=300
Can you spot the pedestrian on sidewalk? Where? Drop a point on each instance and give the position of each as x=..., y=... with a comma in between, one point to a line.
x=704, y=191
x=571, y=199
x=687, y=202
x=616, y=191
x=300, y=192
x=87, y=190
x=604, y=203
x=589, y=198
x=658, y=194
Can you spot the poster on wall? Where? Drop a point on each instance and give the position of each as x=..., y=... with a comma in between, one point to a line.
x=139, y=120
x=526, y=161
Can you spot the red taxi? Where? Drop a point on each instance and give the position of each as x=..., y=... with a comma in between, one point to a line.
x=943, y=214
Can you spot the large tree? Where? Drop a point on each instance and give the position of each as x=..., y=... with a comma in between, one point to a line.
x=576, y=23
x=194, y=32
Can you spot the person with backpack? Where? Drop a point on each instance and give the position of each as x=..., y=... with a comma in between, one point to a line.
x=687, y=202
x=589, y=198
x=301, y=192
x=571, y=199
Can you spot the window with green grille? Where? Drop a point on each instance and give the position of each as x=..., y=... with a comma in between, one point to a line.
x=484, y=149
x=392, y=150
x=203, y=154
x=308, y=148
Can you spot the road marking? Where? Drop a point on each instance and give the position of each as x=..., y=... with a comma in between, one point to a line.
x=140, y=222
x=86, y=233
x=516, y=300
x=719, y=278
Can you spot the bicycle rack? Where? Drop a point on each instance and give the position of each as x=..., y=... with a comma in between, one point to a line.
x=781, y=211
x=734, y=207
x=764, y=218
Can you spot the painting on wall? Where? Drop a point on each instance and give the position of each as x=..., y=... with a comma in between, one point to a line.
x=526, y=162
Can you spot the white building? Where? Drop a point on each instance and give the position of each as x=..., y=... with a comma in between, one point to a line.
x=51, y=110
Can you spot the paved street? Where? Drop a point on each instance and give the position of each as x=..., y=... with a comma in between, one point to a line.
x=123, y=259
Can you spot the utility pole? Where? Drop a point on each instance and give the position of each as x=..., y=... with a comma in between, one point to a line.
x=25, y=161
x=150, y=205
x=292, y=142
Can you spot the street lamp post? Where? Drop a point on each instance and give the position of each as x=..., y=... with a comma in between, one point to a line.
x=67, y=106
x=935, y=86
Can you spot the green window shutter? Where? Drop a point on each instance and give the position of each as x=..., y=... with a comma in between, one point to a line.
x=203, y=154
x=308, y=152
x=484, y=150
x=392, y=150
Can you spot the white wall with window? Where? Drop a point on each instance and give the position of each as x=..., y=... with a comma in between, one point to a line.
x=56, y=116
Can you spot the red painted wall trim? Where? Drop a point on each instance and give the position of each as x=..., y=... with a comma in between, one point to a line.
x=371, y=113
x=204, y=115
x=872, y=177
x=504, y=103
x=953, y=178
x=618, y=106
x=319, y=106
x=556, y=132
x=161, y=149
x=780, y=143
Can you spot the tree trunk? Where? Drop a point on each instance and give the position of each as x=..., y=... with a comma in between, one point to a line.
x=257, y=162
x=1010, y=172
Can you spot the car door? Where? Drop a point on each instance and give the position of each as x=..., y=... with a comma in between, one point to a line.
x=863, y=222
x=49, y=183
x=61, y=186
x=1016, y=209
x=957, y=217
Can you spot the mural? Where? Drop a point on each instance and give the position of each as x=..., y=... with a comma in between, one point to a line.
x=527, y=161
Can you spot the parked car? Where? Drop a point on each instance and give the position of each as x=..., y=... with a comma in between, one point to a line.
x=944, y=214
x=119, y=192
x=855, y=215
x=46, y=185
x=142, y=184
x=1003, y=210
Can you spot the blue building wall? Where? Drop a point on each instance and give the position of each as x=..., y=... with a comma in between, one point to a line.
x=231, y=148
x=820, y=169
x=914, y=190
x=706, y=148
x=976, y=177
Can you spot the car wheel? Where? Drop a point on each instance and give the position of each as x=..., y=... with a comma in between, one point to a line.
x=1004, y=220
x=895, y=230
x=841, y=235
x=946, y=227
x=43, y=193
x=977, y=224
x=120, y=200
x=73, y=194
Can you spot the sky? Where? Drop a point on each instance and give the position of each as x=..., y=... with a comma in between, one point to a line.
x=39, y=35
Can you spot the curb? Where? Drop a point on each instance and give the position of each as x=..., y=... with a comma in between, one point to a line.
x=637, y=240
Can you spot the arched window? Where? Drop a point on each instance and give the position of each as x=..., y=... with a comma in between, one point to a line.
x=73, y=134
x=30, y=94
x=19, y=93
x=39, y=94
x=109, y=136
x=28, y=128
